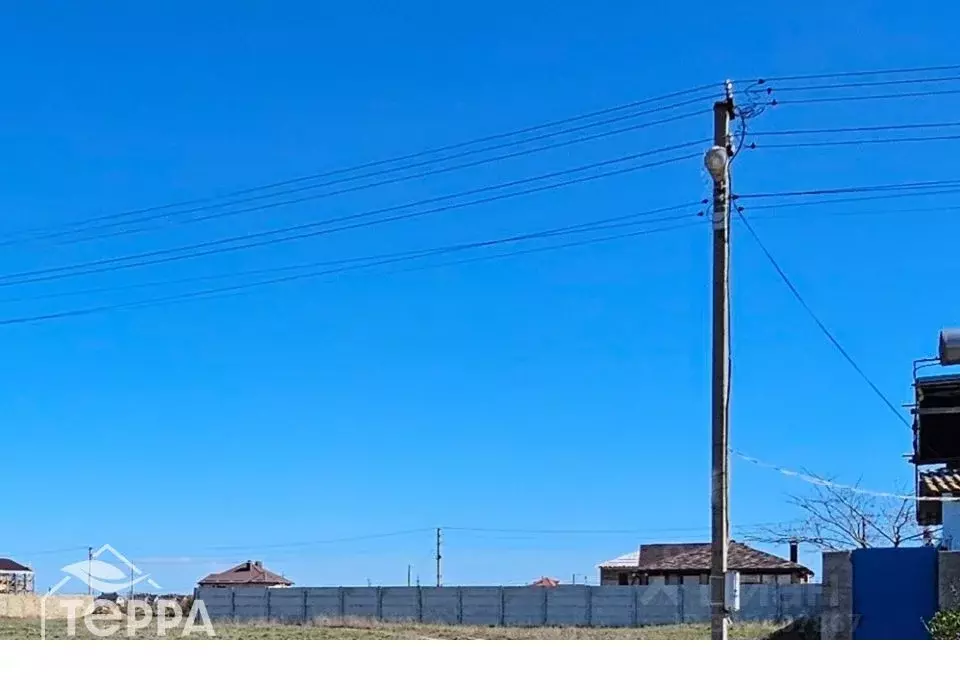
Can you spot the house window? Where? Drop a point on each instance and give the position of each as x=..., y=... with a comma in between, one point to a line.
x=749, y=578
x=673, y=579
x=657, y=580
x=784, y=578
x=623, y=578
x=690, y=579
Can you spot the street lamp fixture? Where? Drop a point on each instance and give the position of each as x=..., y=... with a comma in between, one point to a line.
x=716, y=160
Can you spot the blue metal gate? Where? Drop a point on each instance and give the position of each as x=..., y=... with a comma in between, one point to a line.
x=894, y=592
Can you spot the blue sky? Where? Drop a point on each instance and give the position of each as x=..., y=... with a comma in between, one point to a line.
x=558, y=390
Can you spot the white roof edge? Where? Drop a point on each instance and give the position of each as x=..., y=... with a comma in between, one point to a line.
x=624, y=561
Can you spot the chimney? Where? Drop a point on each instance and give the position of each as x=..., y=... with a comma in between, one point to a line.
x=795, y=551
x=258, y=564
x=249, y=564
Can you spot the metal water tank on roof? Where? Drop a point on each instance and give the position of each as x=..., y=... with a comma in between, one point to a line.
x=950, y=347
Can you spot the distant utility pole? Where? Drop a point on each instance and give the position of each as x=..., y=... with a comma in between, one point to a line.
x=408, y=575
x=717, y=161
x=89, y=570
x=439, y=571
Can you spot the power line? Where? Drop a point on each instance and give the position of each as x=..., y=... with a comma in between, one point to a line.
x=268, y=237
x=859, y=85
x=474, y=163
x=390, y=160
x=861, y=128
x=347, y=190
x=823, y=328
x=861, y=73
x=588, y=531
x=649, y=535
x=297, y=548
x=168, y=208
x=865, y=97
x=858, y=212
x=622, y=221
x=329, y=541
x=856, y=142
x=60, y=550
x=930, y=185
x=854, y=200
x=552, y=248
x=224, y=290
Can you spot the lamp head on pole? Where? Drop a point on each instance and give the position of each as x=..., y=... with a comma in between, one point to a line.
x=715, y=161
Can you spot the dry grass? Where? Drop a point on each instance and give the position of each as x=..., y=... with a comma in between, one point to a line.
x=370, y=630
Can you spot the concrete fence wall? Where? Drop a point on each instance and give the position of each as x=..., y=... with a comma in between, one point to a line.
x=30, y=605
x=567, y=605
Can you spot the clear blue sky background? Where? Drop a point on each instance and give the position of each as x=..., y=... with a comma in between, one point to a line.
x=559, y=390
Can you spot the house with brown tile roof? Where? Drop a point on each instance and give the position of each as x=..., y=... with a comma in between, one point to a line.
x=689, y=564
x=934, y=485
x=249, y=573
x=15, y=577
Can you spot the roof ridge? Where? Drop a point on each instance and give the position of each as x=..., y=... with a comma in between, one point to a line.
x=696, y=555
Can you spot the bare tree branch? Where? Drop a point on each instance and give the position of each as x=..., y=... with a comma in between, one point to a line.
x=835, y=517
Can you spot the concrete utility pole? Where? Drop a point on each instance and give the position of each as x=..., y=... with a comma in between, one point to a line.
x=89, y=569
x=439, y=572
x=717, y=161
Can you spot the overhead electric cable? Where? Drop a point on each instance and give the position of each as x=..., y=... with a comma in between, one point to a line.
x=854, y=142
x=391, y=160
x=224, y=290
x=270, y=237
x=823, y=328
x=858, y=128
x=864, y=97
x=124, y=231
x=860, y=73
x=626, y=220
x=860, y=85
x=933, y=184
x=854, y=200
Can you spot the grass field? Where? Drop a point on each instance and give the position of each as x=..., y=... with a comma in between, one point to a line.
x=20, y=629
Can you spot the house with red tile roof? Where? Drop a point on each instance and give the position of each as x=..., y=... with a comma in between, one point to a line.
x=546, y=582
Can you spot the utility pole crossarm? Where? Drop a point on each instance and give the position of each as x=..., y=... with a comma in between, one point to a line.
x=717, y=161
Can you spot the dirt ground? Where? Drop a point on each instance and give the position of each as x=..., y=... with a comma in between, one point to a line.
x=22, y=629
